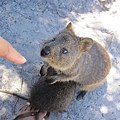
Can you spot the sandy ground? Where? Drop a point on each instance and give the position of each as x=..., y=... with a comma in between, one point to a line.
x=26, y=24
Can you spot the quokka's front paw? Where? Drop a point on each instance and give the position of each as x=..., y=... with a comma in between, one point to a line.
x=51, y=80
x=43, y=72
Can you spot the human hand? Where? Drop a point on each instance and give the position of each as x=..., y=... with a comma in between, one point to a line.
x=28, y=113
x=8, y=52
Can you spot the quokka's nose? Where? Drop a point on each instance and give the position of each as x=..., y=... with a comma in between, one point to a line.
x=45, y=51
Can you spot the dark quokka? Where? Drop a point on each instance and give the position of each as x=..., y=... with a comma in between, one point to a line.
x=50, y=98
x=77, y=59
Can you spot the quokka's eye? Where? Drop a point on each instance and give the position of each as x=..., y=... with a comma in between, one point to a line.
x=64, y=51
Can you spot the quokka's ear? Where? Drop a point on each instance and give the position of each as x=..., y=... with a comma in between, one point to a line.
x=85, y=44
x=69, y=26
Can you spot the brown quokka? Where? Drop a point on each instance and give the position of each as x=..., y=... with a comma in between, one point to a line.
x=77, y=59
x=49, y=97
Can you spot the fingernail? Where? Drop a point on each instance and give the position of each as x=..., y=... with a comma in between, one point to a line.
x=21, y=60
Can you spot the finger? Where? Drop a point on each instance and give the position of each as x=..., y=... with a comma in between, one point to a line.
x=34, y=109
x=23, y=109
x=42, y=115
x=28, y=108
x=8, y=52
